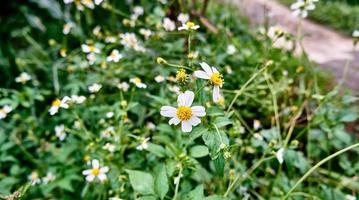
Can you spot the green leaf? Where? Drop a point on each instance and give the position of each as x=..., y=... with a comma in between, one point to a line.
x=196, y=194
x=156, y=149
x=219, y=165
x=161, y=181
x=141, y=182
x=214, y=111
x=199, y=151
x=222, y=121
x=65, y=184
x=213, y=141
x=197, y=132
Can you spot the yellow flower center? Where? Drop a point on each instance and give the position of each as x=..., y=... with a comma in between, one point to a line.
x=181, y=76
x=95, y=171
x=137, y=80
x=92, y=48
x=184, y=113
x=190, y=25
x=217, y=79
x=56, y=103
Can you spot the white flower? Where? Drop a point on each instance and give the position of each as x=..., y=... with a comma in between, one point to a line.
x=57, y=104
x=231, y=49
x=143, y=144
x=123, y=86
x=189, y=116
x=34, y=178
x=91, y=57
x=188, y=26
x=4, y=111
x=175, y=89
x=78, y=99
x=159, y=78
x=350, y=197
x=96, y=172
x=212, y=74
x=110, y=39
x=256, y=124
x=94, y=87
x=67, y=28
x=280, y=155
x=168, y=24
x=138, y=82
x=97, y=31
x=115, y=56
x=183, y=18
x=109, y=147
x=98, y=2
x=48, y=178
x=138, y=10
x=110, y=114
x=23, y=78
x=88, y=3
x=107, y=132
x=356, y=34
x=129, y=40
x=151, y=126
x=89, y=49
x=115, y=198
x=60, y=132
x=301, y=7
x=146, y=33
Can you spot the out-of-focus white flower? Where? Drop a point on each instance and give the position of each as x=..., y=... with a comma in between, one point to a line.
x=256, y=124
x=138, y=10
x=67, y=28
x=110, y=114
x=109, y=147
x=138, y=82
x=34, y=178
x=150, y=125
x=193, y=55
x=57, y=104
x=23, y=78
x=183, y=18
x=91, y=58
x=146, y=33
x=356, y=34
x=143, y=145
x=258, y=136
x=115, y=56
x=96, y=172
x=242, y=130
x=88, y=3
x=110, y=39
x=350, y=197
x=48, y=178
x=60, y=132
x=185, y=113
x=78, y=99
x=302, y=7
x=280, y=155
x=94, y=87
x=97, y=31
x=228, y=69
x=89, y=49
x=4, y=111
x=231, y=49
x=188, y=26
x=212, y=74
x=124, y=86
x=159, y=78
x=129, y=40
x=108, y=132
x=98, y=2
x=175, y=89
x=168, y=24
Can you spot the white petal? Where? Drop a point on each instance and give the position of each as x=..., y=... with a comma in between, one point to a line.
x=102, y=177
x=186, y=126
x=95, y=164
x=90, y=178
x=185, y=99
x=174, y=121
x=216, y=94
x=104, y=169
x=86, y=172
x=198, y=111
x=194, y=121
x=214, y=69
x=201, y=74
x=168, y=111
x=206, y=68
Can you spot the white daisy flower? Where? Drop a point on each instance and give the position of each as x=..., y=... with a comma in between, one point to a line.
x=280, y=155
x=143, y=145
x=212, y=74
x=89, y=49
x=109, y=147
x=301, y=7
x=78, y=99
x=57, y=104
x=34, y=178
x=168, y=24
x=4, y=111
x=94, y=87
x=108, y=132
x=60, y=132
x=231, y=49
x=189, y=116
x=48, y=178
x=129, y=40
x=23, y=78
x=115, y=56
x=124, y=86
x=183, y=18
x=146, y=33
x=188, y=26
x=159, y=78
x=110, y=39
x=96, y=172
x=356, y=34
x=256, y=124
x=67, y=28
x=138, y=82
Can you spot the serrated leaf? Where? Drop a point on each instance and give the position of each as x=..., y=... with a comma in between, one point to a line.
x=141, y=182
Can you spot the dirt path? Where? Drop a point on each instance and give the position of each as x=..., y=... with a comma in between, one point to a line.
x=326, y=47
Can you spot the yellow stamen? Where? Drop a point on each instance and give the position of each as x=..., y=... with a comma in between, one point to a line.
x=95, y=171
x=217, y=79
x=56, y=103
x=92, y=48
x=184, y=113
x=190, y=25
x=181, y=76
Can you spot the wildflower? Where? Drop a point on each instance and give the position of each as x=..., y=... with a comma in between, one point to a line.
x=63, y=52
x=181, y=76
x=280, y=155
x=192, y=55
x=23, y=78
x=89, y=49
x=110, y=39
x=94, y=87
x=159, y=78
x=189, y=116
x=108, y=132
x=275, y=32
x=109, y=147
x=78, y=4
x=146, y=33
x=168, y=24
x=123, y=86
x=151, y=126
x=78, y=99
x=91, y=58
x=138, y=11
x=211, y=73
x=301, y=7
x=97, y=31
x=96, y=172
x=88, y=3
x=175, y=89
x=115, y=56
x=4, y=111
x=98, y=2
x=110, y=114
x=231, y=49
x=129, y=40
x=183, y=18
x=188, y=26
x=67, y=28
x=228, y=69
x=60, y=132
x=57, y=104
x=143, y=145
x=48, y=178
x=256, y=124
x=34, y=178
x=138, y=82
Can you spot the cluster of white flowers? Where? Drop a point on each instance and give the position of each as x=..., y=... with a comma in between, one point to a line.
x=35, y=178
x=302, y=7
x=23, y=78
x=129, y=40
x=94, y=88
x=114, y=56
x=96, y=171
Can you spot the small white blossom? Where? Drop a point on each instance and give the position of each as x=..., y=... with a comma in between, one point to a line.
x=143, y=145
x=129, y=40
x=23, y=78
x=302, y=7
x=98, y=2
x=280, y=155
x=97, y=31
x=109, y=147
x=356, y=34
x=115, y=56
x=91, y=57
x=57, y=104
x=60, y=132
x=159, y=78
x=96, y=172
x=146, y=33
x=256, y=124
x=67, y=28
x=94, y=87
x=138, y=10
x=138, y=82
x=231, y=49
x=108, y=132
x=151, y=126
x=88, y=3
x=124, y=86
x=110, y=114
x=183, y=18
x=350, y=197
x=175, y=89
x=78, y=99
x=188, y=26
x=168, y=24
x=110, y=39
x=48, y=178
x=4, y=111
x=89, y=49
x=34, y=178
